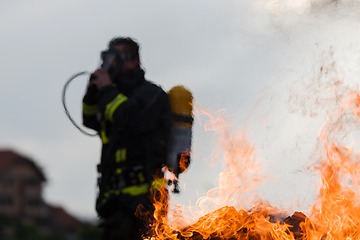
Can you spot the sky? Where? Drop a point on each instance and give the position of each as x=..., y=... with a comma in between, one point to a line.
x=242, y=56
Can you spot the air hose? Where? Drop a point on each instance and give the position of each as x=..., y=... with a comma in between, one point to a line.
x=65, y=108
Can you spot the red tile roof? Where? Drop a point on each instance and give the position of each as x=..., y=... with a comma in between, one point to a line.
x=6, y=160
x=63, y=218
x=9, y=158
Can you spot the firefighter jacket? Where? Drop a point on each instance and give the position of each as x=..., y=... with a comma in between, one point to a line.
x=133, y=119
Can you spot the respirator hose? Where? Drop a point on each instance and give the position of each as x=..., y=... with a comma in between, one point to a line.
x=65, y=108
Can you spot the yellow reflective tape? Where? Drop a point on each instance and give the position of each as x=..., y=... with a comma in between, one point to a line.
x=90, y=109
x=107, y=194
x=104, y=137
x=120, y=155
x=117, y=155
x=113, y=105
x=158, y=183
x=118, y=171
x=123, y=156
x=141, y=177
x=136, y=190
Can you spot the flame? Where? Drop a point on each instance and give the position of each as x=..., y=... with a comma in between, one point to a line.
x=337, y=211
x=184, y=161
x=221, y=213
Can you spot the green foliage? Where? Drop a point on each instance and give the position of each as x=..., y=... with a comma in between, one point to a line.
x=26, y=232
x=3, y=220
x=89, y=232
x=55, y=235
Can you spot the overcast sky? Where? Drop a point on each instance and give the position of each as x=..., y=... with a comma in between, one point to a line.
x=243, y=56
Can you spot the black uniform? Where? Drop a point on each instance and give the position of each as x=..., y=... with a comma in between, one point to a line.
x=133, y=119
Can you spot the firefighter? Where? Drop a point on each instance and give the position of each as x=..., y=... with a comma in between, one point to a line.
x=133, y=119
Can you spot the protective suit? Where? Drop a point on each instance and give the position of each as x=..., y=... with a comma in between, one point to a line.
x=133, y=119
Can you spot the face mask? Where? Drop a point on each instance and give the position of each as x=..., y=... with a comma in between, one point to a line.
x=112, y=61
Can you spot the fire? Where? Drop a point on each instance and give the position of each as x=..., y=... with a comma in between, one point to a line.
x=184, y=161
x=337, y=211
x=222, y=213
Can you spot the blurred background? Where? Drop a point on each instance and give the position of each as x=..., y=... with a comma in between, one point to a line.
x=250, y=57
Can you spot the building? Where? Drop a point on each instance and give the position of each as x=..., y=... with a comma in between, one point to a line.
x=21, y=182
x=21, y=195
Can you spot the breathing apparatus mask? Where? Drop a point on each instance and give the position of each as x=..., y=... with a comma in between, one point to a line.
x=112, y=61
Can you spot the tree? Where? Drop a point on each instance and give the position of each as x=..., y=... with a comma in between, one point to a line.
x=3, y=220
x=26, y=232
x=89, y=232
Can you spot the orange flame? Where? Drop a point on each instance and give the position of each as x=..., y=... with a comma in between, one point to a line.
x=221, y=214
x=184, y=161
x=337, y=211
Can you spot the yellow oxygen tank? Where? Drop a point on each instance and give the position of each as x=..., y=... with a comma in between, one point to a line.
x=180, y=141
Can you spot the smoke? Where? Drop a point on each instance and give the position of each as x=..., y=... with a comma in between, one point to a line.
x=284, y=17
x=310, y=47
x=330, y=8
